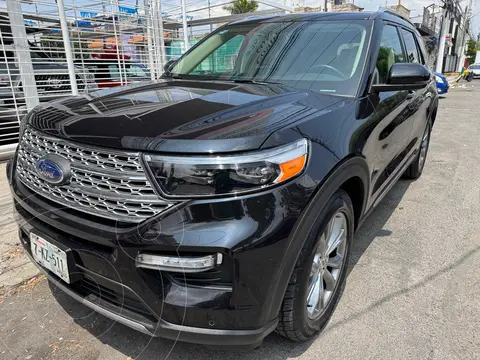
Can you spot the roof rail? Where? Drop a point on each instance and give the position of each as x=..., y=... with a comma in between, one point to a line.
x=394, y=13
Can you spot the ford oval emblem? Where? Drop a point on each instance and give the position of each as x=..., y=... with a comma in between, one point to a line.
x=54, y=169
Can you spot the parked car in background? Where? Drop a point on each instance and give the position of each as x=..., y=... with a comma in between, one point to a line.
x=474, y=69
x=51, y=77
x=108, y=73
x=442, y=83
x=51, y=81
x=111, y=69
x=216, y=206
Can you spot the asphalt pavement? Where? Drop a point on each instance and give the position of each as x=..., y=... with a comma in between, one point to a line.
x=413, y=289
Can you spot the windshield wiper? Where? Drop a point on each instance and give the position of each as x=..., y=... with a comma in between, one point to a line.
x=168, y=74
x=249, y=81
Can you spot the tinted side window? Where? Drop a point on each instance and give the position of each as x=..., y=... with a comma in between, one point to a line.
x=114, y=73
x=101, y=71
x=421, y=49
x=411, y=46
x=136, y=71
x=222, y=59
x=390, y=52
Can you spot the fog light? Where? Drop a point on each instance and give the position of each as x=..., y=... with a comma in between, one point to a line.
x=177, y=263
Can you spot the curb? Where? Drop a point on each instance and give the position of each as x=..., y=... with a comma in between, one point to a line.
x=18, y=275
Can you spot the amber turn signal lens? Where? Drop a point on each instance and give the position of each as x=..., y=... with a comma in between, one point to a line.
x=187, y=176
x=291, y=168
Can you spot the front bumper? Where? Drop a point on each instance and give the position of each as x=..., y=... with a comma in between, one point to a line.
x=248, y=338
x=443, y=89
x=251, y=231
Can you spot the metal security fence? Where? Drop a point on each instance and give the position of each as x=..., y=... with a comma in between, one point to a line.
x=54, y=48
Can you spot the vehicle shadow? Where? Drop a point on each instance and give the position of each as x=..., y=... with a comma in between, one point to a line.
x=373, y=226
x=139, y=346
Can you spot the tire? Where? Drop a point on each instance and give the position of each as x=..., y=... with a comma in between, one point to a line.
x=414, y=171
x=298, y=322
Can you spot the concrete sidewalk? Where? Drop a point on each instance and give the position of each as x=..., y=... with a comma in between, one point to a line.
x=15, y=267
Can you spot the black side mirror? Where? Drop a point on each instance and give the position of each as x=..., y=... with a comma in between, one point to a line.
x=169, y=65
x=405, y=76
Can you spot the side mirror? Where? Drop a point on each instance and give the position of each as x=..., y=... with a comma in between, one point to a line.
x=405, y=76
x=169, y=65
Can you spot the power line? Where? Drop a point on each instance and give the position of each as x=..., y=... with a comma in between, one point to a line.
x=471, y=17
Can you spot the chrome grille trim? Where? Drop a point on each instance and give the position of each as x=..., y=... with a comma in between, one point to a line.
x=83, y=155
x=104, y=182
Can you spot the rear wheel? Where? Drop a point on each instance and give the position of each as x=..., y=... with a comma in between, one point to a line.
x=319, y=275
x=414, y=171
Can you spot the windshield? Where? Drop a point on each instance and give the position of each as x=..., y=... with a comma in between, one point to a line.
x=36, y=53
x=324, y=56
x=474, y=67
x=138, y=70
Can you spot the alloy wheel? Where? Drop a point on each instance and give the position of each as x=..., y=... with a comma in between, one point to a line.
x=424, y=148
x=327, y=266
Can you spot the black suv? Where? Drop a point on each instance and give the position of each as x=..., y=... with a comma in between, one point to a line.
x=221, y=202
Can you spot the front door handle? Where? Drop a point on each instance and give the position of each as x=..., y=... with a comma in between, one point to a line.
x=410, y=94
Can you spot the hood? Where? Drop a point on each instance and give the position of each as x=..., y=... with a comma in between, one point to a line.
x=166, y=116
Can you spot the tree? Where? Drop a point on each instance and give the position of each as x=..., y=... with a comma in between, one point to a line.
x=471, y=50
x=241, y=6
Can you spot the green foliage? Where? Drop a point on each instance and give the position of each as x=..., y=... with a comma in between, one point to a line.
x=241, y=6
x=471, y=50
x=382, y=63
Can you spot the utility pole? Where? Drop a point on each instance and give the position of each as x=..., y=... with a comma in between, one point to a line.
x=443, y=33
x=466, y=24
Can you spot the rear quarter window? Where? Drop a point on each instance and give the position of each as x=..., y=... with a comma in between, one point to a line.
x=413, y=52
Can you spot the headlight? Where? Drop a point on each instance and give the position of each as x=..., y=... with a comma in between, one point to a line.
x=438, y=79
x=192, y=176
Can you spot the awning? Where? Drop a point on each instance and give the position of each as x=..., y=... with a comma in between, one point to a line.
x=424, y=30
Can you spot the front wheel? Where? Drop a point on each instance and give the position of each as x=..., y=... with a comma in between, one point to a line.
x=414, y=171
x=319, y=275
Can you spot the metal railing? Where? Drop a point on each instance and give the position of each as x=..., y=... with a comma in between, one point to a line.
x=55, y=48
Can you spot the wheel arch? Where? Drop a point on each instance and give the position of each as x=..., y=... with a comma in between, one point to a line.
x=350, y=175
x=433, y=115
x=432, y=111
x=355, y=189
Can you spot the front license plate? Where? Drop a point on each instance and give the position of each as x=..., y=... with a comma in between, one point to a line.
x=50, y=257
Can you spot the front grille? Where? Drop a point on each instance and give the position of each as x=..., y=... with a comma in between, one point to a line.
x=57, y=82
x=87, y=287
x=104, y=183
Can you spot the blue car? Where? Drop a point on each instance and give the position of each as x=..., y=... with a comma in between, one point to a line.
x=442, y=83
